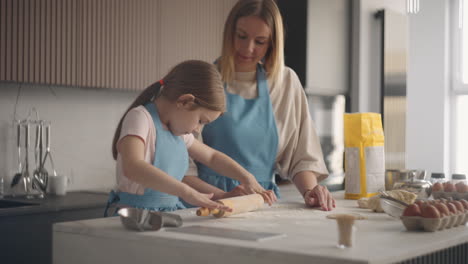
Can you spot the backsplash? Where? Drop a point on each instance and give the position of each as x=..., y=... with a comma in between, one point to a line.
x=83, y=123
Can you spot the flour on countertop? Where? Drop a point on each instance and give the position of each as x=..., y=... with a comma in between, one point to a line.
x=288, y=211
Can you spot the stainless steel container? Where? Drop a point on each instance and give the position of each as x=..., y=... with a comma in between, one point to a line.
x=394, y=176
x=413, y=181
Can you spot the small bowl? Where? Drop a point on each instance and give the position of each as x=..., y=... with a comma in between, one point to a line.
x=391, y=207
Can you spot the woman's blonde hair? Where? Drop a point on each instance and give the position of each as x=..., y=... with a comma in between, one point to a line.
x=268, y=11
x=198, y=78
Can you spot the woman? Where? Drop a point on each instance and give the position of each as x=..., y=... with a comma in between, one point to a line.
x=267, y=125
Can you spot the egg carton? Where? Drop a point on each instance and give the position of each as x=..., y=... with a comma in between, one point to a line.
x=447, y=195
x=414, y=223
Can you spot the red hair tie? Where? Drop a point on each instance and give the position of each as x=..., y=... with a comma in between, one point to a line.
x=161, y=82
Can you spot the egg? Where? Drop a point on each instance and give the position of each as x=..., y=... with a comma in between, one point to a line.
x=412, y=210
x=459, y=206
x=453, y=209
x=443, y=209
x=430, y=211
x=465, y=203
x=437, y=187
x=420, y=203
x=461, y=187
x=449, y=187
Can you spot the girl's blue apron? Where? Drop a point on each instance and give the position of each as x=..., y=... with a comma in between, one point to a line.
x=171, y=156
x=247, y=133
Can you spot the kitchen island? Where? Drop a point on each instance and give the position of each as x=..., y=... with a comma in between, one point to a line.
x=304, y=236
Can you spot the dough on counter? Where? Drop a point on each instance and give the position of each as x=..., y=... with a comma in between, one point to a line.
x=363, y=203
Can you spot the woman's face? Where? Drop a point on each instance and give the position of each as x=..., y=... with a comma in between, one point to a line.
x=251, y=42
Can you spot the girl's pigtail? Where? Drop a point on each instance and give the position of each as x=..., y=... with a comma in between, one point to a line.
x=148, y=95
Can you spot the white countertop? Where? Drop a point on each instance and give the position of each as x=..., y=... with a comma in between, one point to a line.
x=309, y=237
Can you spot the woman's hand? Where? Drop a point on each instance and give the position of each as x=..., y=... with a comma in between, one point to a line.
x=319, y=196
x=254, y=187
x=250, y=186
x=204, y=200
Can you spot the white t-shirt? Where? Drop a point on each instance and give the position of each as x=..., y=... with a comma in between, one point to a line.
x=138, y=122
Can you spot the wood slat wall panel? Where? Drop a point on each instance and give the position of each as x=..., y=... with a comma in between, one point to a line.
x=9, y=40
x=3, y=39
x=36, y=43
x=20, y=48
x=43, y=40
x=119, y=44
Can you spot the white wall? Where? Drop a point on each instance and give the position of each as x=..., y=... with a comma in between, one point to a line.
x=427, y=134
x=328, y=47
x=83, y=123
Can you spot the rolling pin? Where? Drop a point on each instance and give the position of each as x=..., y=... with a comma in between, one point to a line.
x=239, y=204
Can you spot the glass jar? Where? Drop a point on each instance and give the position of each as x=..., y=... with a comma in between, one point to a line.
x=437, y=177
x=456, y=178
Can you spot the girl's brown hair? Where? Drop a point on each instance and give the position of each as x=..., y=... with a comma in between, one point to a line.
x=268, y=11
x=198, y=78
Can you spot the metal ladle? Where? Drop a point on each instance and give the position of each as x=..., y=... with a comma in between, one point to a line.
x=17, y=176
x=27, y=183
x=40, y=174
x=48, y=154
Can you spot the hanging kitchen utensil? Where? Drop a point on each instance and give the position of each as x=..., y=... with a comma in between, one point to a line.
x=27, y=183
x=40, y=175
x=48, y=154
x=43, y=172
x=17, y=176
x=37, y=161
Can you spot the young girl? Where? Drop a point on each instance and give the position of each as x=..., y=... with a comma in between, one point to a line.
x=154, y=140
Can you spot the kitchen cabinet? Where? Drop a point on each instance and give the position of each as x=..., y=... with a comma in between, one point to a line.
x=305, y=236
x=121, y=44
x=26, y=232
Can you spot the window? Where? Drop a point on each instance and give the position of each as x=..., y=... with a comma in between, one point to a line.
x=461, y=142
x=460, y=85
x=464, y=42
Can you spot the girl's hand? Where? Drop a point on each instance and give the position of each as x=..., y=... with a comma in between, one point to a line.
x=319, y=196
x=204, y=200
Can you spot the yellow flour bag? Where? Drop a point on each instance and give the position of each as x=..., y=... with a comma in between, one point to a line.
x=364, y=155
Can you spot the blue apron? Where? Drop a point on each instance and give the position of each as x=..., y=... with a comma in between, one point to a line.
x=171, y=156
x=247, y=133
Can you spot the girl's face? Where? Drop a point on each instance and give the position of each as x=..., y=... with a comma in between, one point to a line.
x=185, y=120
x=251, y=42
